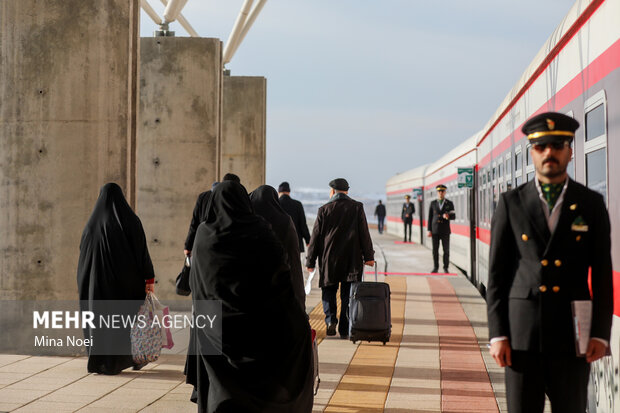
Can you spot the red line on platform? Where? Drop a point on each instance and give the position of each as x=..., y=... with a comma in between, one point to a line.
x=432, y=274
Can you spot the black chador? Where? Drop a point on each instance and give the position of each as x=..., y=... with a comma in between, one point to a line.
x=266, y=360
x=265, y=203
x=114, y=264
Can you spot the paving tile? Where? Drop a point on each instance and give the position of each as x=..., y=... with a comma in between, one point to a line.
x=20, y=396
x=7, y=407
x=166, y=406
x=48, y=406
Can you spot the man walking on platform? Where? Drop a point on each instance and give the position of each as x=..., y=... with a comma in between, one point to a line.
x=341, y=241
x=440, y=213
x=407, y=216
x=296, y=211
x=546, y=236
x=380, y=213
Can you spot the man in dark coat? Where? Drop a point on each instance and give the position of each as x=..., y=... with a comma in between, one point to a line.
x=407, y=216
x=341, y=241
x=440, y=213
x=546, y=235
x=380, y=213
x=296, y=211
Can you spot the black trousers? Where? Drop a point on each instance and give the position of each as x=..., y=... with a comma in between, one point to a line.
x=380, y=224
x=445, y=243
x=563, y=378
x=330, y=308
x=407, y=225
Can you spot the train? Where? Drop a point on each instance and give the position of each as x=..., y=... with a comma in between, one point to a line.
x=576, y=72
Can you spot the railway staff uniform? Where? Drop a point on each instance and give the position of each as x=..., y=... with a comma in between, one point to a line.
x=440, y=213
x=545, y=236
x=407, y=216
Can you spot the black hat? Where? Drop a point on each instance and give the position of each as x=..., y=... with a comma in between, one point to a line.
x=441, y=187
x=550, y=127
x=339, y=184
x=408, y=196
x=284, y=187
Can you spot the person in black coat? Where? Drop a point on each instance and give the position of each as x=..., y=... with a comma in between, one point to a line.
x=341, y=242
x=546, y=236
x=296, y=211
x=440, y=213
x=380, y=214
x=265, y=363
x=406, y=215
x=265, y=203
x=115, y=265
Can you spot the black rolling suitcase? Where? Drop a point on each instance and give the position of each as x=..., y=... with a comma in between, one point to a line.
x=370, y=316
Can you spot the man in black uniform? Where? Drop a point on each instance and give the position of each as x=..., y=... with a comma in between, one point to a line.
x=342, y=243
x=545, y=237
x=440, y=212
x=380, y=213
x=407, y=216
x=296, y=211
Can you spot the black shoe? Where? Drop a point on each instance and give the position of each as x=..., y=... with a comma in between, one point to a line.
x=331, y=329
x=434, y=271
x=139, y=366
x=445, y=269
x=344, y=336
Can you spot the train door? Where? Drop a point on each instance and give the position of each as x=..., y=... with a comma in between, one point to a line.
x=472, y=216
x=420, y=195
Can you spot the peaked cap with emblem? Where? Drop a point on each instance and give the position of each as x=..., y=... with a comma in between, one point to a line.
x=550, y=127
x=441, y=187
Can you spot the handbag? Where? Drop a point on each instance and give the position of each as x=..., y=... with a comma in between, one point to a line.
x=182, y=282
x=146, y=338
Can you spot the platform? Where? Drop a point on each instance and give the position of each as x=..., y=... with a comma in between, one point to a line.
x=436, y=360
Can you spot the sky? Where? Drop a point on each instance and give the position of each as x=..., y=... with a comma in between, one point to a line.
x=366, y=89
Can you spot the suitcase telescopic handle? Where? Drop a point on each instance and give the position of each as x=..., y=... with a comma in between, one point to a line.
x=376, y=271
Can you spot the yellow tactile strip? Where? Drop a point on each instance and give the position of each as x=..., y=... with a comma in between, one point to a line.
x=365, y=385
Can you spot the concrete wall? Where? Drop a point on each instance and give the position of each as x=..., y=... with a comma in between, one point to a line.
x=67, y=125
x=243, y=129
x=178, y=138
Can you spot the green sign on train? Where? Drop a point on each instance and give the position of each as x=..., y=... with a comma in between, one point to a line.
x=466, y=177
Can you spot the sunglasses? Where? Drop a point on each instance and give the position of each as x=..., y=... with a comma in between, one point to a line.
x=541, y=147
x=441, y=190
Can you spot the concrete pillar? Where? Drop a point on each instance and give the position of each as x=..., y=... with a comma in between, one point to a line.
x=178, y=142
x=68, y=93
x=243, y=129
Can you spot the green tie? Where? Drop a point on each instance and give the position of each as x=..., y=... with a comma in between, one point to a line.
x=551, y=193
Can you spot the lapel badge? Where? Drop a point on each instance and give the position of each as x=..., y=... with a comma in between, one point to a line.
x=579, y=224
x=550, y=124
x=573, y=207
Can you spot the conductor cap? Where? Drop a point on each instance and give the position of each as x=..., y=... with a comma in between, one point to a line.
x=441, y=187
x=339, y=184
x=550, y=127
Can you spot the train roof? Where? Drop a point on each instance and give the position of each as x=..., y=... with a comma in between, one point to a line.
x=547, y=52
x=405, y=179
x=462, y=149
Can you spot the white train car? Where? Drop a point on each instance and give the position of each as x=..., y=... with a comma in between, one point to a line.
x=407, y=183
x=445, y=171
x=576, y=72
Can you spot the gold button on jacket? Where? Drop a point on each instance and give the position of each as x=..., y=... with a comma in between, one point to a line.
x=542, y=288
x=558, y=263
x=524, y=237
x=556, y=288
x=544, y=263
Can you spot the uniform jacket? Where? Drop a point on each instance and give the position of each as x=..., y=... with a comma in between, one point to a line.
x=340, y=240
x=437, y=224
x=380, y=211
x=534, y=275
x=408, y=208
x=296, y=211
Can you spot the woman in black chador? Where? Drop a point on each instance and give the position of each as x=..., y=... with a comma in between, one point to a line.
x=266, y=360
x=265, y=203
x=114, y=265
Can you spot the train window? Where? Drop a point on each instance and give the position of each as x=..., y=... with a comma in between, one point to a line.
x=508, y=165
x=596, y=171
x=528, y=155
x=530, y=176
x=595, y=146
x=571, y=168
x=484, y=178
x=518, y=161
x=500, y=170
x=494, y=173
x=595, y=122
x=519, y=180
